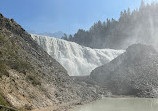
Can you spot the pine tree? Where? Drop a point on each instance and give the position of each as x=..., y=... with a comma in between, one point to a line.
x=128, y=12
x=142, y=4
x=64, y=37
x=70, y=37
x=108, y=22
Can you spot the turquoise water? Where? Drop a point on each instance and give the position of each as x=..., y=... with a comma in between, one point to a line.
x=121, y=104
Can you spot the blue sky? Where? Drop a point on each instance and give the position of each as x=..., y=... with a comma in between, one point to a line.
x=63, y=15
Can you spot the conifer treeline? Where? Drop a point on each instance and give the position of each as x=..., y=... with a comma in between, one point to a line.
x=140, y=25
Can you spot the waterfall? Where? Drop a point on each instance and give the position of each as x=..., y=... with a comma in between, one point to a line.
x=76, y=59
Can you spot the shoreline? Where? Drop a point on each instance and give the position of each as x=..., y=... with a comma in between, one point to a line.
x=71, y=106
x=113, y=96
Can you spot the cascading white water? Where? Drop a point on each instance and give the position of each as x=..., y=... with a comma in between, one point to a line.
x=77, y=60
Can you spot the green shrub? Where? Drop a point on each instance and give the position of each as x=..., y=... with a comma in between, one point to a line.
x=3, y=69
x=1, y=53
x=3, y=101
x=35, y=81
x=19, y=65
x=2, y=39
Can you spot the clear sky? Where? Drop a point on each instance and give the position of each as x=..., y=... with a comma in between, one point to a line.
x=63, y=15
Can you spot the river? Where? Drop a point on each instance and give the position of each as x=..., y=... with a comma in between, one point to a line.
x=121, y=104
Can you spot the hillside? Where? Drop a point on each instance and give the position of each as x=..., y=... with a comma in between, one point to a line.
x=136, y=26
x=132, y=73
x=29, y=77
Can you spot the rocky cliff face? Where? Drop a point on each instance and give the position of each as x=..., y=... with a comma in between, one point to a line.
x=132, y=73
x=29, y=77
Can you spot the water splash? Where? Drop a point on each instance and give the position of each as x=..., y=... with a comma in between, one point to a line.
x=77, y=60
